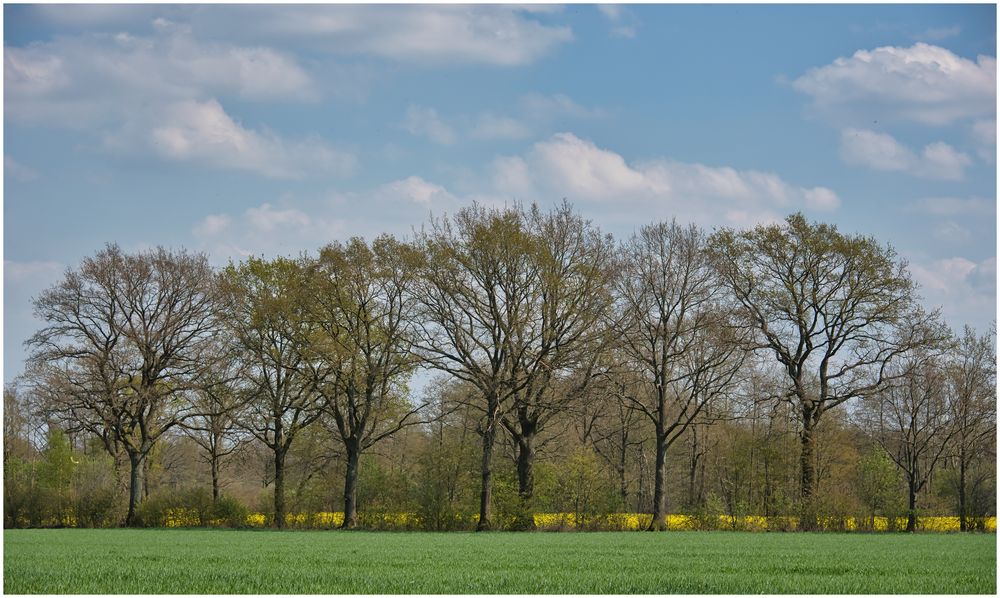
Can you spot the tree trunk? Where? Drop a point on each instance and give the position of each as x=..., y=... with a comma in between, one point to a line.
x=807, y=461
x=214, y=463
x=486, y=493
x=622, y=480
x=525, y=478
x=659, y=521
x=135, y=463
x=963, y=523
x=351, y=486
x=911, y=512
x=145, y=477
x=279, y=488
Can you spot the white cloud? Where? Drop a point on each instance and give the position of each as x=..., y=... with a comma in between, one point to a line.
x=266, y=218
x=567, y=166
x=212, y=225
x=922, y=83
x=821, y=199
x=490, y=126
x=984, y=132
x=534, y=113
x=951, y=232
x=965, y=289
x=267, y=230
x=941, y=161
x=417, y=190
x=542, y=107
x=427, y=35
x=955, y=206
x=881, y=151
x=425, y=122
x=940, y=33
x=84, y=80
x=17, y=171
x=202, y=133
x=289, y=226
x=620, y=17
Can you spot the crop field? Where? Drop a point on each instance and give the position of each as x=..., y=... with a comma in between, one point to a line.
x=264, y=562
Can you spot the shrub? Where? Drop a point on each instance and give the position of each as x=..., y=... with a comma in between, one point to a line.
x=229, y=512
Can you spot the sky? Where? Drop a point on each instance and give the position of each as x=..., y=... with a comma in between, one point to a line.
x=272, y=130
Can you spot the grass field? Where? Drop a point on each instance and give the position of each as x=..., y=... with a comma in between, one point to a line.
x=266, y=562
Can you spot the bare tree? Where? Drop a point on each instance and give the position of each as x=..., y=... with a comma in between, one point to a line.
x=476, y=290
x=360, y=358
x=971, y=380
x=126, y=336
x=827, y=306
x=673, y=328
x=566, y=331
x=910, y=420
x=213, y=425
x=268, y=320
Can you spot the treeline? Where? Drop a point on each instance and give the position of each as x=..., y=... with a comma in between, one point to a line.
x=782, y=370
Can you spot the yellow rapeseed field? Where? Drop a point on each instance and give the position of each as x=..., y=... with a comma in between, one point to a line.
x=612, y=521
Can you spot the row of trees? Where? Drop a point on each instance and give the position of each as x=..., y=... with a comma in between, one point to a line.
x=537, y=324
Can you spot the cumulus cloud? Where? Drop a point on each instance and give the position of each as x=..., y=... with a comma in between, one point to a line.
x=621, y=18
x=965, y=289
x=77, y=80
x=923, y=83
x=202, y=133
x=425, y=35
x=565, y=165
x=984, y=132
x=289, y=226
x=881, y=151
x=417, y=190
x=266, y=229
x=425, y=122
x=533, y=113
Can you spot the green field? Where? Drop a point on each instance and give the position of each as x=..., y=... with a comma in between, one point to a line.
x=265, y=562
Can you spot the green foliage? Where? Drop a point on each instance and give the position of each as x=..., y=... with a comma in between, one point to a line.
x=191, y=507
x=358, y=562
x=879, y=484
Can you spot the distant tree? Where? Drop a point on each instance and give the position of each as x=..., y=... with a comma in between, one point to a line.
x=216, y=405
x=476, y=290
x=126, y=336
x=268, y=322
x=878, y=482
x=674, y=328
x=565, y=333
x=971, y=380
x=360, y=354
x=910, y=420
x=827, y=306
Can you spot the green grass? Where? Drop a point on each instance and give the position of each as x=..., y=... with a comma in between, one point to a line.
x=323, y=562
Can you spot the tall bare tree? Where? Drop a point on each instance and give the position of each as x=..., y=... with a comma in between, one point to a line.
x=910, y=420
x=828, y=307
x=971, y=379
x=126, y=336
x=566, y=331
x=360, y=357
x=216, y=405
x=673, y=328
x=268, y=320
x=476, y=289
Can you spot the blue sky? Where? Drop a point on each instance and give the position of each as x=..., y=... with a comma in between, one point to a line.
x=273, y=130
